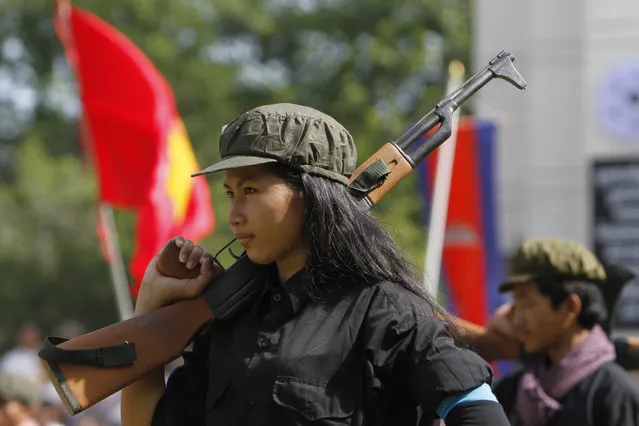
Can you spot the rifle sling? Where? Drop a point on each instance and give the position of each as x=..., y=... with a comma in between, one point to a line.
x=107, y=356
x=370, y=178
x=231, y=293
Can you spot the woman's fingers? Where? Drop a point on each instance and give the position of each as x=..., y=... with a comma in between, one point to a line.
x=206, y=265
x=159, y=290
x=194, y=258
x=185, y=250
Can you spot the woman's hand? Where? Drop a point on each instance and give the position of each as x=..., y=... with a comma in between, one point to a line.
x=158, y=290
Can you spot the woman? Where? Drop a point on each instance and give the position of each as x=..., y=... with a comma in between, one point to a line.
x=343, y=333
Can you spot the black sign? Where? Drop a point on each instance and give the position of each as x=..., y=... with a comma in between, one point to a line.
x=616, y=226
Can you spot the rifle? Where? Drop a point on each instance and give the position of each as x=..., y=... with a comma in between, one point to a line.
x=86, y=369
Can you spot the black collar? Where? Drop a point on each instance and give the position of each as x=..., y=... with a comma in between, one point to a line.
x=293, y=288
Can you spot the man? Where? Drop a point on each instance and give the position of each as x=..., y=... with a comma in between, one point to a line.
x=18, y=396
x=558, y=306
x=23, y=359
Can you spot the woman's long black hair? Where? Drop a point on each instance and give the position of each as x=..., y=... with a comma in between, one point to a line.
x=346, y=244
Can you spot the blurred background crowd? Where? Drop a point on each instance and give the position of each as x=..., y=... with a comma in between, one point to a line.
x=27, y=397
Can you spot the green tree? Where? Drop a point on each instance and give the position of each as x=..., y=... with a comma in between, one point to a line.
x=375, y=65
x=50, y=259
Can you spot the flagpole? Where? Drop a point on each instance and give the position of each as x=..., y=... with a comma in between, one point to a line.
x=105, y=212
x=441, y=192
x=109, y=238
x=116, y=264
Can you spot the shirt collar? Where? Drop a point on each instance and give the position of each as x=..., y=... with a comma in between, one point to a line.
x=293, y=288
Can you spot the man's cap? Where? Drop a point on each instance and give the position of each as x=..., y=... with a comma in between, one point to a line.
x=555, y=259
x=296, y=135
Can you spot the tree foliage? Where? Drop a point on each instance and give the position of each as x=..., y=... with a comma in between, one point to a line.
x=374, y=65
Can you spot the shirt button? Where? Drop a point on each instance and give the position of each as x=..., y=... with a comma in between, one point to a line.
x=277, y=297
x=252, y=402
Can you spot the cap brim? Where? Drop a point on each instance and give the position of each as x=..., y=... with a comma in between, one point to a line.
x=514, y=280
x=234, y=162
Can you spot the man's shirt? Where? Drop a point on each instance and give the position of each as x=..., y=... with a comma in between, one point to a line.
x=609, y=397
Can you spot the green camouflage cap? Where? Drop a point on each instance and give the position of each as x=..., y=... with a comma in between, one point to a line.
x=553, y=258
x=295, y=135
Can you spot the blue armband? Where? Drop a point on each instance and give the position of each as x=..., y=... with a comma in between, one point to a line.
x=481, y=393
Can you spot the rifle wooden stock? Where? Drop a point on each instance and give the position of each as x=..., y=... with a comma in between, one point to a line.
x=159, y=336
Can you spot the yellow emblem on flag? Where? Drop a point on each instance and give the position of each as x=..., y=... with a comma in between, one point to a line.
x=182, y=163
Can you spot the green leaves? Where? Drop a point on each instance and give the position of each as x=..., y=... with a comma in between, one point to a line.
x=50, y=257
x=376, y=66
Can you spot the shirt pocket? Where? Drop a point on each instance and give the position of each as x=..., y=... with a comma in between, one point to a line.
x=313, y=400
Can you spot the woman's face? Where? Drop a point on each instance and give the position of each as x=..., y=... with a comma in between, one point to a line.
x=266, y=216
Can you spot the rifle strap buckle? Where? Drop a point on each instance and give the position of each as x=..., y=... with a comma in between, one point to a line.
x=370, y=178
x=106, y=356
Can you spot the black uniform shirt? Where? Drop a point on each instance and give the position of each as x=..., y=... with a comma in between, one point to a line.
x=366, y=355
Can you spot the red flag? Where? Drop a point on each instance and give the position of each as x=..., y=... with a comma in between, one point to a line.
x=140, y=148
x=471, y=261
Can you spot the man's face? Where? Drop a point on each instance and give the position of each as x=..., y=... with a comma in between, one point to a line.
x=13, y=412
x=539, y=326
x=29, y=336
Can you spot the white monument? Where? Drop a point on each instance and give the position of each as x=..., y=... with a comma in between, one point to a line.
x=581, y=61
